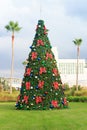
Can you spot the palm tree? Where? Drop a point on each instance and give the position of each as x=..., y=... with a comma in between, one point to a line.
x=12, y=27
x=77, y=42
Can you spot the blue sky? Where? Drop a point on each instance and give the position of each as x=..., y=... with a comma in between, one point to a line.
x=65, y=19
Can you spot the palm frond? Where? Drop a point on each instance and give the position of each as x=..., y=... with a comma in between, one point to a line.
x=13, y=26
x=11, y=23
x=7, y=27
x=77, y=42
x=17, y=29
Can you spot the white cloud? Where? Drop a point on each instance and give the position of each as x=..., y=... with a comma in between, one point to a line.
x=76, y=8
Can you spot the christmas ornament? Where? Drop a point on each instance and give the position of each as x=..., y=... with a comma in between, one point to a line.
x=51, y=90
x=55, y=85
x=32, y=104
x=34, y=55
x=40, y=84
x=27, y=85
x=43, y=61
x=54, y=103
x=28, y=71
x=26, y=99
x=30, y=47
x=39, y=58
x=36, y=87
x=65, y=101
x=38, y=99
x=35, y=77
x=37, y=27
x=40, y=43
x=31, y=87
x=42, y=70
x=49, y=55
x=55, y=71
x=56, y=93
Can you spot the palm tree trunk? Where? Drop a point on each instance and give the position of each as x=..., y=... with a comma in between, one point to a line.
x=12, y=63
x=77, y=68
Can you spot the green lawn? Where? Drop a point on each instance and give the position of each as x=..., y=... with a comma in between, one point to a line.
x=73, y=118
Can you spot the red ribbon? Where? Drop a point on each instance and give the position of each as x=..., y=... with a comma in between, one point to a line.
x=42, y=70
x=49, y=55
x=41, y=84
x=38, y=99
x=55, y=71
x=34, y=55
x=65, y=101
x=18, y=98
x=36, y=27
x=27, y=85
x=54, y=103
x=55, y=85
x=40, y=42
x=28, y=71
x=26, y=99
x=45, y=28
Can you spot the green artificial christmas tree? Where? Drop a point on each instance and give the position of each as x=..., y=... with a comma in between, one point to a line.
x=41, y=86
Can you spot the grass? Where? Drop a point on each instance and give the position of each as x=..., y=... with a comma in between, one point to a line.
x=73, y=118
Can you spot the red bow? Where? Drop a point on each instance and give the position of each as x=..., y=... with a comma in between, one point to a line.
x=55, y=71
x=40, y=84
x=38, y=99
x=36, y=27
x=55, y=85
x=28, y=71
x=34, y=55
x=45, y=28
x=65, y=101
x=18, y=98
x=48, y=55
x=27, y=85
x=42, y=70
x=26, y=99
x=54, y=103
x=40, y=42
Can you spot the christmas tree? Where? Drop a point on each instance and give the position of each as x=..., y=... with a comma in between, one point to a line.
x=41, y=86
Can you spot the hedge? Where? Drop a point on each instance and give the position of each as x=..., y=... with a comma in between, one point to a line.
x=77, y=98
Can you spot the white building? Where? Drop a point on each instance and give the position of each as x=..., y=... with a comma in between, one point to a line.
x=67, y=69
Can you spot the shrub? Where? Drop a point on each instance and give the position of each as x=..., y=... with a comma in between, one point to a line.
x=77, y=99
x=1, y=87
x=5, y=96
x=81, y=93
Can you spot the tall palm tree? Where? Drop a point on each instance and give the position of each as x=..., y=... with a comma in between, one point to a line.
x=12, y=27
x=77, y=42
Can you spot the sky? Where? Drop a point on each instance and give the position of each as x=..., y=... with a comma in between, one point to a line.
x=65, y=19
